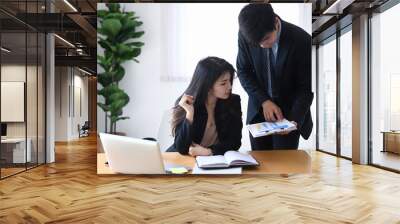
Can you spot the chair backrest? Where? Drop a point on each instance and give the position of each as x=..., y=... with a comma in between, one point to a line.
x=86, y=125
x=164, y=136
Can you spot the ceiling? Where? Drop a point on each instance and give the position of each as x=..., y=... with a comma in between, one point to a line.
x=74, y=22
x=328, y=16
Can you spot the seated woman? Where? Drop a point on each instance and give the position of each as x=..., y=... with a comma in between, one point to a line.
x=207, y=118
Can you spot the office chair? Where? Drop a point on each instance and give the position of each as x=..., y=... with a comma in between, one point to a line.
x=164, y=136
x=84, y=130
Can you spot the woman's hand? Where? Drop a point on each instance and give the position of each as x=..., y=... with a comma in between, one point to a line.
x=198, y=150
x=186, y=103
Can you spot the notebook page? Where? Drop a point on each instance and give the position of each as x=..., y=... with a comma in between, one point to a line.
x=234, y=155
x=210, y=160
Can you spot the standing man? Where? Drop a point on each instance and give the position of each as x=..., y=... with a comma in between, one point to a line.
x=274, y=67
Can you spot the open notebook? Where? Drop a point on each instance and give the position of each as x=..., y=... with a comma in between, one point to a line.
x=229, y=159
x=269, y=128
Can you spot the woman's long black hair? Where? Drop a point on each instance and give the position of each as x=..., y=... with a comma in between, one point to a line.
x=207, y=72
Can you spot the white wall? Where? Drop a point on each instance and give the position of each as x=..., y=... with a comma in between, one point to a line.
x=82, y=82
x=61, y=104
x=33, y=126
x=148, y=95
x=17, y=73
x=79, y=117
x=14, y=72
x=67, y=115
x=150, y=88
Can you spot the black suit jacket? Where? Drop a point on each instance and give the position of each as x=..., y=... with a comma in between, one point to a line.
x=228, y=122
x=292, y=79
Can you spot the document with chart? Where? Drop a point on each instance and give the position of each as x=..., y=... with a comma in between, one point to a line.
x=269, y=128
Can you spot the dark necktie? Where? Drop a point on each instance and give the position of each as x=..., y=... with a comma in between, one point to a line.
x=271, y=73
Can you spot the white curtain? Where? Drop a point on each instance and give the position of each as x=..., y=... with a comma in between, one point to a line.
x=194, y=31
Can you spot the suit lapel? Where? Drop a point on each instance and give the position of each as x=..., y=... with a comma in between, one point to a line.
x=264, y=52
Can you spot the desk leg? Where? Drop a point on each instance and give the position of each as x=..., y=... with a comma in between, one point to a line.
x=384, y=142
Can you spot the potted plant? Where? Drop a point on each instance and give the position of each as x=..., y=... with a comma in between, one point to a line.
x=117, y=33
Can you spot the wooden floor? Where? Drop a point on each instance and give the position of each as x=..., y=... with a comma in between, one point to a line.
x=69, y=191
x=5, y=172
x=10, y=171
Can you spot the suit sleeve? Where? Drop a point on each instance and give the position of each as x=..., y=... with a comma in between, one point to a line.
x=183, y=137
x=246, y=72
x=303, y=92
x=234, y=139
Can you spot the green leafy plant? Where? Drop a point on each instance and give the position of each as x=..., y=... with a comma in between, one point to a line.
x=117, y=34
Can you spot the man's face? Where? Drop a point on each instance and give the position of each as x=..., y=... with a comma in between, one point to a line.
x=270, y=38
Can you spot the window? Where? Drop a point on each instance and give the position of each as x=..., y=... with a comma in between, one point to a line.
x=346, y=94
x=327, y=96
x=385, y=87
x=22, y=60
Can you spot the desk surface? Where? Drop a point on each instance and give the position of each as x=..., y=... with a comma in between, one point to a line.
x=13, y=140
x=271, y=162
x=391, y=132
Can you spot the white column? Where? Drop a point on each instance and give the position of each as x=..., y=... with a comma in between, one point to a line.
x=360, y=90
x=50, y=109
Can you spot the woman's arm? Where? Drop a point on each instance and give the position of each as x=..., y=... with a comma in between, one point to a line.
x=183, y=131
x=183, y=137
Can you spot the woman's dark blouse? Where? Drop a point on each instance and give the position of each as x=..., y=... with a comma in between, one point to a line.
x=228, y=121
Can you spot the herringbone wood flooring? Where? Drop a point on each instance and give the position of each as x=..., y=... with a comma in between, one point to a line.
x=69, y=191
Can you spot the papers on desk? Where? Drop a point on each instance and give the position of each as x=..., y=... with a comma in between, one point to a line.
x=269, y=128
x=235, y=170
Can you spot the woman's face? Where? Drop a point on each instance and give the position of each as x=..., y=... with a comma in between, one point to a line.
x=222, y=88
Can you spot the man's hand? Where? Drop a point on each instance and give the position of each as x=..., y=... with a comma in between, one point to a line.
x=287, y=132
x=198, y=150
x=271, y=111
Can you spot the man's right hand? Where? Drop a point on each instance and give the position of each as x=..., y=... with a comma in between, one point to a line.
x=271, y=111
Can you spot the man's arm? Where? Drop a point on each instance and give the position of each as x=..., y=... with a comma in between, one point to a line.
x=248, y=79
x=303, y=92
x=246, y=72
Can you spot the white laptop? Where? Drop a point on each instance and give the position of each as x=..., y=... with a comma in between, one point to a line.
x=131, y=155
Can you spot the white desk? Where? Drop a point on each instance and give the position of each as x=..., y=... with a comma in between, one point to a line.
x=19, y=149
